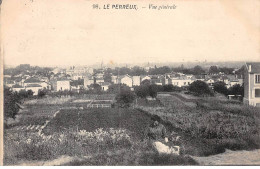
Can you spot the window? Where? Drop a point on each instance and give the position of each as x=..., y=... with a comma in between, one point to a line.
x=257, y=92
x=257, y=78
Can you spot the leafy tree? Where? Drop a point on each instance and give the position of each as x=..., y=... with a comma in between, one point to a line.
x=124, y=71
x=237, y=90
x=200, y=88
x=42, y=93
x=77, y=82
x=213, y=69
x=125, y=98
x=146, y=82
x=159, y=70
x=116, y=88
x=95, y=88
x=30, y=93
x=142, y=91
x=226, y=70
x=25, y=94
x=220, y=87
x=137, y=71
x=198, y=70
x=12, y=103
x=107, y=77
x=153, y=89
x=188, y=71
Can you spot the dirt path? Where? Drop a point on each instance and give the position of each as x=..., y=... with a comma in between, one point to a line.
x=231, y=158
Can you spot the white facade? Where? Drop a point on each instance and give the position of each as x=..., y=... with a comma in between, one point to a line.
x=104, y=87
x=146, y=78
x=88, y=82
x=17, y=89
x=127, y=80
x=136, y=80
x=180, y=82
x=63, y=85
x=114, y=79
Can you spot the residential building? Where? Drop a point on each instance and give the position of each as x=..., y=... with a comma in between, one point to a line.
x=104, y=85
x=136, y=80
x=252, y=84
x=63, y=84
x=127, y=80
x=34, y=87
x=88, y=81
x=17, y=88
x=30, y=81
x=98, y=80
x=209, y=81
x=114, y=79
x=145, y=78
x=180, y=80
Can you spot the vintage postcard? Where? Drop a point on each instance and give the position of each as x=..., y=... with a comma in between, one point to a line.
x=130, y=82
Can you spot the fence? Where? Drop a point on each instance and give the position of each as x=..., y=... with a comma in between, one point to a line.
x=99, y=106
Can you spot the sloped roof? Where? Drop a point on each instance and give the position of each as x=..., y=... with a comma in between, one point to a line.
x=105, y=83
x=255, y=67
x=142, y=76
x=33, y=85
x=62, y=79
x=122, y=76
x=32, y=80
x=17, y=86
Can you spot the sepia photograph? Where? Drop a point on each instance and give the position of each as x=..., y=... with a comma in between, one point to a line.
x=130, y=83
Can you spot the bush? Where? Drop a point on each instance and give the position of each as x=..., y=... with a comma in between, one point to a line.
x=116, y=88
x=236, y=90
x=12, y=103
x=220, y=87
x=200, y=88
x=125, y=98
x=42, y=93
x=25, y=94
x=142, y=91
x=171, y=88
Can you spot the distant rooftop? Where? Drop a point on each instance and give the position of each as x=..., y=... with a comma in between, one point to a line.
x=33, y=85
x=255, y=66
x=17, y=86
x=32, y=80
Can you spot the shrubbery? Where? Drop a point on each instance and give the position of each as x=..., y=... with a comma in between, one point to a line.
x=200, y=88
x=213, y=125
x=125, y=98
x=220, y=87
x=146, y=89
x=12, y=101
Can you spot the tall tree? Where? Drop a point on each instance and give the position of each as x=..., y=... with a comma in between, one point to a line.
x=12, y=103
x=200, y=88
x=213, y=69
x=197, y=70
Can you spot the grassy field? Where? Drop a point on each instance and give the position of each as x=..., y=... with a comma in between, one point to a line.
x=211, y=124
x=106, y=136
x=112, y=136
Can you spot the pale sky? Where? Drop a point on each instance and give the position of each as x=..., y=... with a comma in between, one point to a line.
x=68, y=32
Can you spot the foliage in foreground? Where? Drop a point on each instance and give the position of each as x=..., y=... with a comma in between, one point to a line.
x=102, y=147
x=211, y=125
x=11, y=103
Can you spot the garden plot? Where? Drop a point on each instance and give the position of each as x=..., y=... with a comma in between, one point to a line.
x=212, y=125
x=92, y=119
